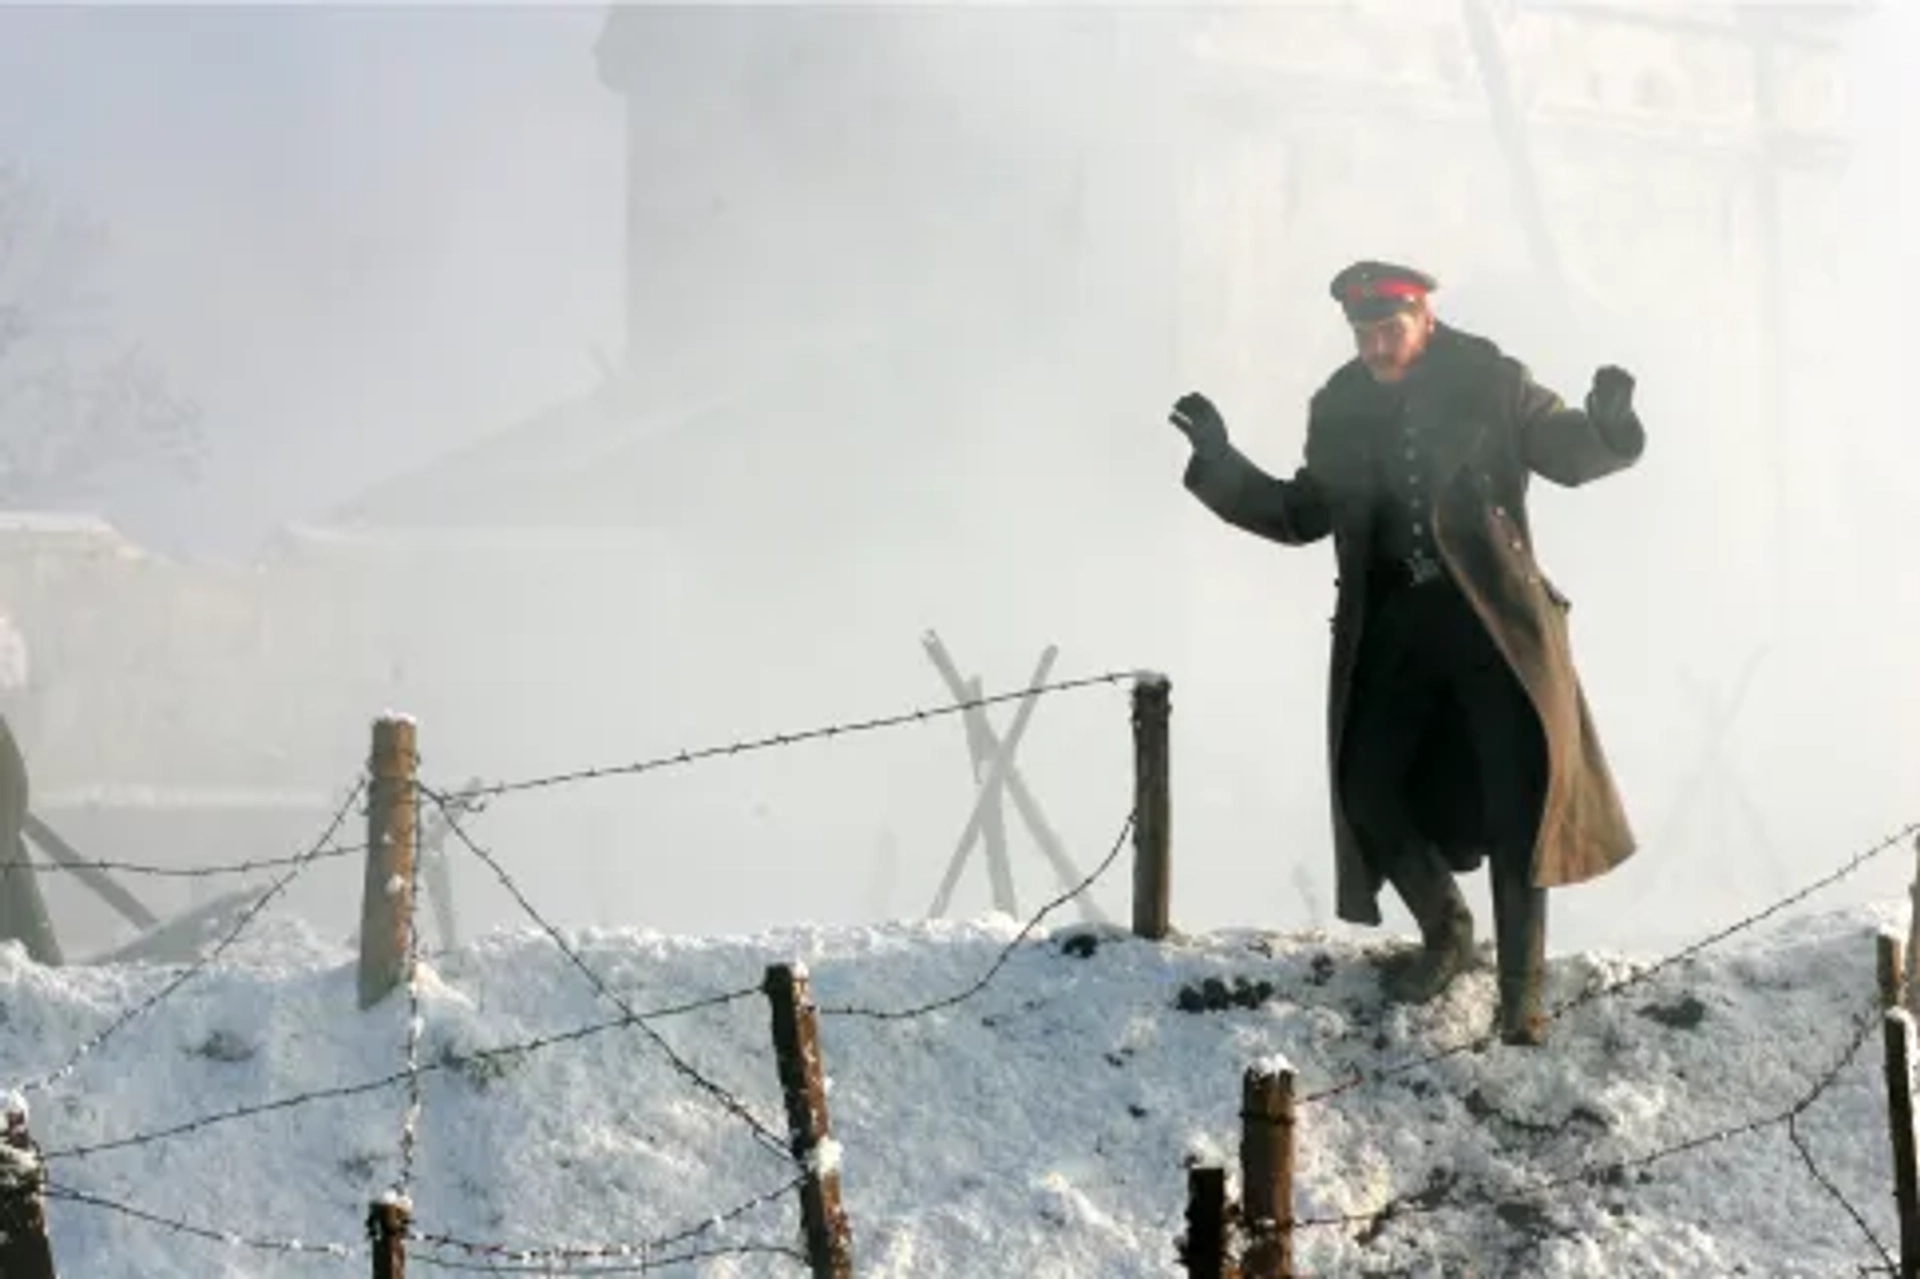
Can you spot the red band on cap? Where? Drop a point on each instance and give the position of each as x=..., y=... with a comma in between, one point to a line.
x=1384, y=289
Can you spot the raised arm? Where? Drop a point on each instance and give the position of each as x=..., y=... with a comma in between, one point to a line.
x=1573, y=446
x=1293, y=511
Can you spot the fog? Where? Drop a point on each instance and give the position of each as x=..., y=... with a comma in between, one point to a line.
x=592, y=425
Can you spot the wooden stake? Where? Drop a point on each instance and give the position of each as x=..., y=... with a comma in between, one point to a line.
x=1898, y=1024
x=1153, y=808
x=25, y=1252
x=386, y=901
x=1266, y=1170
x=981, y=745
x=796, y=1043
x=996, y=777
x=1204, y=1250
x=1893, y=975
x=1912, y=983
x=387, y=1225
x=1065, y=873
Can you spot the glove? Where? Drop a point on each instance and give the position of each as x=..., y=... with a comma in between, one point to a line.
x=1198, y=420
x=1610, y=402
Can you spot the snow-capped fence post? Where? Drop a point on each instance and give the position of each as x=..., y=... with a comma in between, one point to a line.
x=25, y=1252
x=387, y=1224
x=386, y=900
x=796, y=1044
x=1203, y=1249
x=1266, y=1169
x=1152, y=806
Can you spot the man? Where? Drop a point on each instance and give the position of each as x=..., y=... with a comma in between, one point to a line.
x=1456, y=724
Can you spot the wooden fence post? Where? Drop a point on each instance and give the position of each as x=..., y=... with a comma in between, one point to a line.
x=388, y=1220
x=1898, y=1027
x=1266, y=1169
x=386, y=900
x=1205, y=1250
x=1911, y=980
x=25, y=1251
x=1152, y=807
x=796, y=1042
x=1893, y=971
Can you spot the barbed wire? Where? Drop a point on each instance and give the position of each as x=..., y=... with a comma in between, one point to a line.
x=67, y=1194
x=643, y=1251
x=1428, y=1203
x=726, y=1100
x=846, y=728
x=1006, y=952
x=200, y=965
x=209, y=871
x=621, y=1268
x=1608, y=989
x=341, y=1091
x=1834, y=1192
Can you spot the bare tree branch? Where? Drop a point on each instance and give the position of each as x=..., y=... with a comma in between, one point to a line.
x=75, y=400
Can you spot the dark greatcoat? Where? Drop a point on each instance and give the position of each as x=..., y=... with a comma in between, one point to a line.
x=1490, y=427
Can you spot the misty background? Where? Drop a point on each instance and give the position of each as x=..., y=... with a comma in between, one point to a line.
x=597, y=388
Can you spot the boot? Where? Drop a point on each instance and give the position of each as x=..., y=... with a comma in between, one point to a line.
x=1421, y=877
x=1520, y=935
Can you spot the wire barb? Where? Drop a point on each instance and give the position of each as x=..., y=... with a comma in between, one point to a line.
x=777, y=741
x=205, y=961
x=1427, y=1204
x=1606, y=989
x=67, y=1194
x=727, y=1101
x=645, y=1251
x=342, y=1091
x=1006, y=952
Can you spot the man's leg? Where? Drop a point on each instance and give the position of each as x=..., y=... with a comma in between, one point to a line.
x=1512, y=759
x=1393, y=706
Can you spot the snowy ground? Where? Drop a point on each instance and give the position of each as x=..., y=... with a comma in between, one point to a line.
x=1037, y=1128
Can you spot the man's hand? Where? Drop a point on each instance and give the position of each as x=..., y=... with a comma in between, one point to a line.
x=1610, y=402
x=1200, y=422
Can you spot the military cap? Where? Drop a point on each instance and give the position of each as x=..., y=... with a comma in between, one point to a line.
x=1374, y=290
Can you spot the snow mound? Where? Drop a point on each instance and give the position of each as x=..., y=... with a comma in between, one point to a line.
x=1040, y=1127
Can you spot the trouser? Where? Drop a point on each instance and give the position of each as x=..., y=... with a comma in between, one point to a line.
x=1425, y=657
x=23, y=911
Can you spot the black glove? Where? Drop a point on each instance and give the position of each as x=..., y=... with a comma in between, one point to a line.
x=1200, y=422
x=1610, y=402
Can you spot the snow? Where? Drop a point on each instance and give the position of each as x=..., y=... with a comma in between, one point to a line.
x=1041, y=1127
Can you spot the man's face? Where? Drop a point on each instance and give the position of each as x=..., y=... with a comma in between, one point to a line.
x=1389, y=347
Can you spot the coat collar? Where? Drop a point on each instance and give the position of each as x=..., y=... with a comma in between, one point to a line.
x=1451, y=395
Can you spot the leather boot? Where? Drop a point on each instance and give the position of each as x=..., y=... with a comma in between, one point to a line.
x=1520, y=935
x=1422, y=879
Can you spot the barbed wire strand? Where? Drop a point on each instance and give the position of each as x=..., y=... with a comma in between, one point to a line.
x=398, y=1077
x=1429, y=1204
x=200, y=965
x=199, y=872
x=624, y=1268
x=726, y=1100
x=1006, y=952
x=1607, y=989
x=779, y=740
x=67, y=1194
x=517, y=1255
x=1834, y=1192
